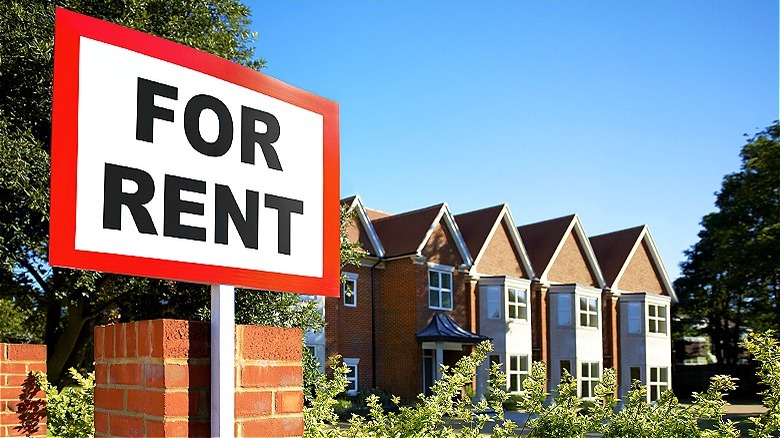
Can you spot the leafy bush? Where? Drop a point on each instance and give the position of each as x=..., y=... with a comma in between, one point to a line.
x=564, y=416
x=69, y=413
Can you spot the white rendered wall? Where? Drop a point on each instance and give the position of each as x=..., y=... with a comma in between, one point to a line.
x=508, y=337
x=573, y=342
x=645, y=349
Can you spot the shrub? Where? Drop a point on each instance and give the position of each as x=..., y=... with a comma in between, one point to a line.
x=69, y=413
x=564, y=416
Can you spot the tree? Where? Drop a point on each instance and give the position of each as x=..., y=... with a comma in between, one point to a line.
x=731, y=277
x=63, y=305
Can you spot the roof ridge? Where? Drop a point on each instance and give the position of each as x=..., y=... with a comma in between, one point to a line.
x=569, y=216
x=407, y=213
x=618, y=231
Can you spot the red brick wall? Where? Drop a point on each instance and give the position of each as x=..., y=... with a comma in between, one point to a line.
x=500, y=256
x=402, y=311
x=348, y=329
x=540, y=323
x=16, y=361
x=640, y=274
x=610, y=331
x=152, y=378
x=398, y=354
x=571, y=265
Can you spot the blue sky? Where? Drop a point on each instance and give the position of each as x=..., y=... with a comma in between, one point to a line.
x=626, y=113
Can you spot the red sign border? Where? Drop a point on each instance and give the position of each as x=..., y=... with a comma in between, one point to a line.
x=69, y=27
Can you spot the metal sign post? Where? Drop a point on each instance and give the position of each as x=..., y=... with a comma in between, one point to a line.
x=222, y=360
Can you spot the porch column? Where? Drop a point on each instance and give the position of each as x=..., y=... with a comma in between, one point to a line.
x=439, y=359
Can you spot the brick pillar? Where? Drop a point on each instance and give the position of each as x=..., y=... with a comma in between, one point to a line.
x=16, y=362
x=269, y=385
x=152, y=378
x=611, y=330
x=540, y=324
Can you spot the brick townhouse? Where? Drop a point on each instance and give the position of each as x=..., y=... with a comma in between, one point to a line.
x=431, y=285
x=567, y=293
x=641, y=295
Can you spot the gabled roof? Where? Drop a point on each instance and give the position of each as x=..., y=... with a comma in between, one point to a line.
x=479, y=226
x=442, y=328
x=356, y=204
x=407, y=233
x=615, y=250
x=544, y=241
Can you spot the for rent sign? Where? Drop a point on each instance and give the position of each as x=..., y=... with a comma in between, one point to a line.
x=172, y=163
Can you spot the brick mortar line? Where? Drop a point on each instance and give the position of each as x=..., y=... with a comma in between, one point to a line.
x=255, y=418
x=272, y=363
x=151, y=361
x=177, y=389
x=269, y=389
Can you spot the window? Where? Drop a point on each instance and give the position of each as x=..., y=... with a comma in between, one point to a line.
x=517, y=304
x=589, y=377
x=564, y=309
x=349, y=290
x=636, y=374
x=634, y=318
x=440, y=290
x=517, y=372
x=494, y=302
x=352, y=375
x=656, y=318
x=659, y=382
x=565, y=365
x=589, y=312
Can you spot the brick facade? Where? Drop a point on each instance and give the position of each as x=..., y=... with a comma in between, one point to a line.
x=500, y=257
x=640, y=274
x=153, y=378
x=571, y=265
x=493, y=250
x=16, y=362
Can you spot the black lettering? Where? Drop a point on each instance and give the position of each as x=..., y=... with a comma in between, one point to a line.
x=192, y=111
x=225, y=205
x=114, y=198
x=249, y=137
x=147, y=111
x=285, y=207
x=175, y=206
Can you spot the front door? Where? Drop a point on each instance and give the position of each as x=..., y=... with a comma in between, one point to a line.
x=429, y=370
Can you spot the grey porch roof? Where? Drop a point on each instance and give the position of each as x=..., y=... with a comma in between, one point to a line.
x=443, y=329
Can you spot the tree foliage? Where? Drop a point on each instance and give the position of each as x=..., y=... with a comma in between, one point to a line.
x=60, y=305
x=731, y=278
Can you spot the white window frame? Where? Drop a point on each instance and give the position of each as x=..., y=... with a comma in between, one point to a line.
x=517, y=305
x=654, y=322
x=656, y=386
x=563, y=303
x=590, y=315
x=351, y=279
x=352, y=382
x=440, y=290
x=516, y=373
x=493, y=299
x=587, y=380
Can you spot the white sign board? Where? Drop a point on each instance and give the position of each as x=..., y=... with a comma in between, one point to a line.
x=172, y=163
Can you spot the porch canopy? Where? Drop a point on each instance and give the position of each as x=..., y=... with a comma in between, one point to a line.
x=443, y=329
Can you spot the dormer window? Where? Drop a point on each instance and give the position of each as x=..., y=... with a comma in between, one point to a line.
x=439, y=290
